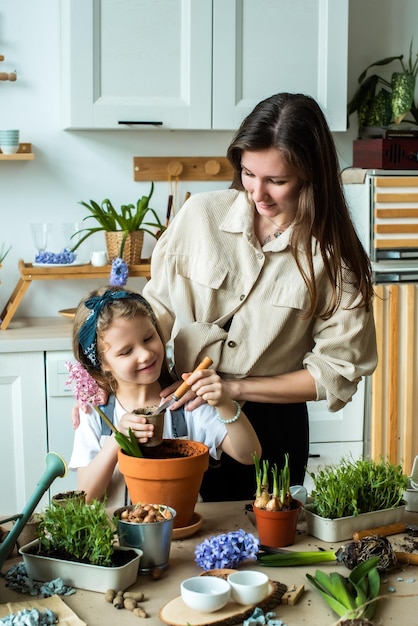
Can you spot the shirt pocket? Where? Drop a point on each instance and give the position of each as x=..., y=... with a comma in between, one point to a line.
x=292, y=296
x=204, y=272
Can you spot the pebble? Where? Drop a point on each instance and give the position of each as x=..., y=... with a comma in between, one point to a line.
x=258, y=617
x=18, y=580
x=30, y=617
x=391, y=589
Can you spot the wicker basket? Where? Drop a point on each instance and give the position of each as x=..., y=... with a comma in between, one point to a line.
x=133, y=246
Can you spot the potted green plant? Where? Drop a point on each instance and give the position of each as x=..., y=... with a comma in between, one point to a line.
x=378, y=101
x=124, y=228
x=276, y=511
x=76, y=542
x=354, y=495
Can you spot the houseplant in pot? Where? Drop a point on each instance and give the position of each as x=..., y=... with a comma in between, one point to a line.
x=276, y=511
x=355, y=495
x=76, y=542
x=124, y=227
x=379, y=101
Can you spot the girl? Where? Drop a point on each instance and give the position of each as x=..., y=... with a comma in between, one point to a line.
x=117, y=339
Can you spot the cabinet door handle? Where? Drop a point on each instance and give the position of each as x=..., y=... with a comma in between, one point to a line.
x=131, y=123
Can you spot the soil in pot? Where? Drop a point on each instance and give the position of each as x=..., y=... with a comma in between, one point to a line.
x=62, y=498
x=118, y=558
x=170, y=474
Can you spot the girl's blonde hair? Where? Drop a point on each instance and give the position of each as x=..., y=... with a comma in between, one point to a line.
x=128, y=307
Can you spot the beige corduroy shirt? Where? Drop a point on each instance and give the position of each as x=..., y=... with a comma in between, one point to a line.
x=209, y=267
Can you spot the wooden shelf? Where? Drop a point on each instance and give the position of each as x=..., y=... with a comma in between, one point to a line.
x=24, y=153
x=28, y=273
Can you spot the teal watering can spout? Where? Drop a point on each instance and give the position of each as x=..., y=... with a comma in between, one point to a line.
x=55, y=466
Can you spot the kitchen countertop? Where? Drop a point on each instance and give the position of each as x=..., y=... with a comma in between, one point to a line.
x=399, y=607
x=33, y=334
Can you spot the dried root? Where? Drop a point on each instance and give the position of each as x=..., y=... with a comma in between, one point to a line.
x=357, y=552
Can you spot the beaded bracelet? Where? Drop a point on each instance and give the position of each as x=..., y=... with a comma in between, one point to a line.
x=233, y=419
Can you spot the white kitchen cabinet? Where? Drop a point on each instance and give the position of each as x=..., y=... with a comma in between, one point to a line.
x=198, y=64
x=23, y=441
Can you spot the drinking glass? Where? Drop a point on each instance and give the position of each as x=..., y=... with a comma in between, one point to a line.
x=40, y=234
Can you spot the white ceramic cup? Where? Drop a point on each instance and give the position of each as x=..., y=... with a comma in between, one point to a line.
x=248, y=586
x=98, y=258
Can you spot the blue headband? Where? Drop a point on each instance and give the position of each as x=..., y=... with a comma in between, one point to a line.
x=87, y=336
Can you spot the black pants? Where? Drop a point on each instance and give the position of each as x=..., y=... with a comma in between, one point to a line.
x=281, y=428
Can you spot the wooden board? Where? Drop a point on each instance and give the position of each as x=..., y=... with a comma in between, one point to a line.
x=176, y=613
x=182, y=168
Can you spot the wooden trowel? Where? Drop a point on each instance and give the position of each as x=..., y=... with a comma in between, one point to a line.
x=180, y=391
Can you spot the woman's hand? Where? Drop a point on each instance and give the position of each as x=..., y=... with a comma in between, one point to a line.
x=208, y=386
x=189, y=399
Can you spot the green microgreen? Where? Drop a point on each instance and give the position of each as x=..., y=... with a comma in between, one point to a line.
x=354, y=487
x=83, y=531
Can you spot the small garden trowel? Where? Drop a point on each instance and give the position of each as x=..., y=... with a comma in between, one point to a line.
x=180, y=391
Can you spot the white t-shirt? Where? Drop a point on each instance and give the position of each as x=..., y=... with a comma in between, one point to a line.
x=201, y=424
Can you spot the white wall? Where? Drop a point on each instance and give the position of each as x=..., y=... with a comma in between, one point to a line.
x=70, y=166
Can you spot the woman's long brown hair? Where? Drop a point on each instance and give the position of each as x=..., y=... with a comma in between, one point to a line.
x=296, y=126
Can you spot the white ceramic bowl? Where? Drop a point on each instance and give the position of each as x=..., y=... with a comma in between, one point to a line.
x=248, y=586
x=205, y=593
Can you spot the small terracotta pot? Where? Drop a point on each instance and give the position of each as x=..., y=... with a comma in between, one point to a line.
x=170, y=474
x=277, y=528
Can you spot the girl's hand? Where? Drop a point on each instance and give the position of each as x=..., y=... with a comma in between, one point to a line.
x=139, y=426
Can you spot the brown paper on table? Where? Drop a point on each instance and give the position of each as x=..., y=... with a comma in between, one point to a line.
x=66, y=616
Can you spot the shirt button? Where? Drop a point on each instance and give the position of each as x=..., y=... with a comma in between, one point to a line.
x=260, y=256
x=242, y=297
x=232, y=344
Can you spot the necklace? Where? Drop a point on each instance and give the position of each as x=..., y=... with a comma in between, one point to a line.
x=279, y=229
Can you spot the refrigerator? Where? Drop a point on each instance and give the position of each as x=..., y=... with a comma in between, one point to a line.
x=384, y=207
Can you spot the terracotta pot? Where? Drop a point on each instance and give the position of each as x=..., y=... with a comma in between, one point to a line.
x=277, y=528
x=170, y=474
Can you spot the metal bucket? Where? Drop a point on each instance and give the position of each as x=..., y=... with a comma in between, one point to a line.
x=154, y=539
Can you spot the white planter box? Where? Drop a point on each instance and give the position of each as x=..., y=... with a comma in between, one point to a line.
x=411, y=498
x=342, y=528
x=80, y=575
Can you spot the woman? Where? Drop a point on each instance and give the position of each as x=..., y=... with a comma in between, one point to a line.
x=270, y=280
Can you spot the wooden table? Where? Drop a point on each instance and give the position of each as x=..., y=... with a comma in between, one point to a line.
x=28, y=273
x=222, y=517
